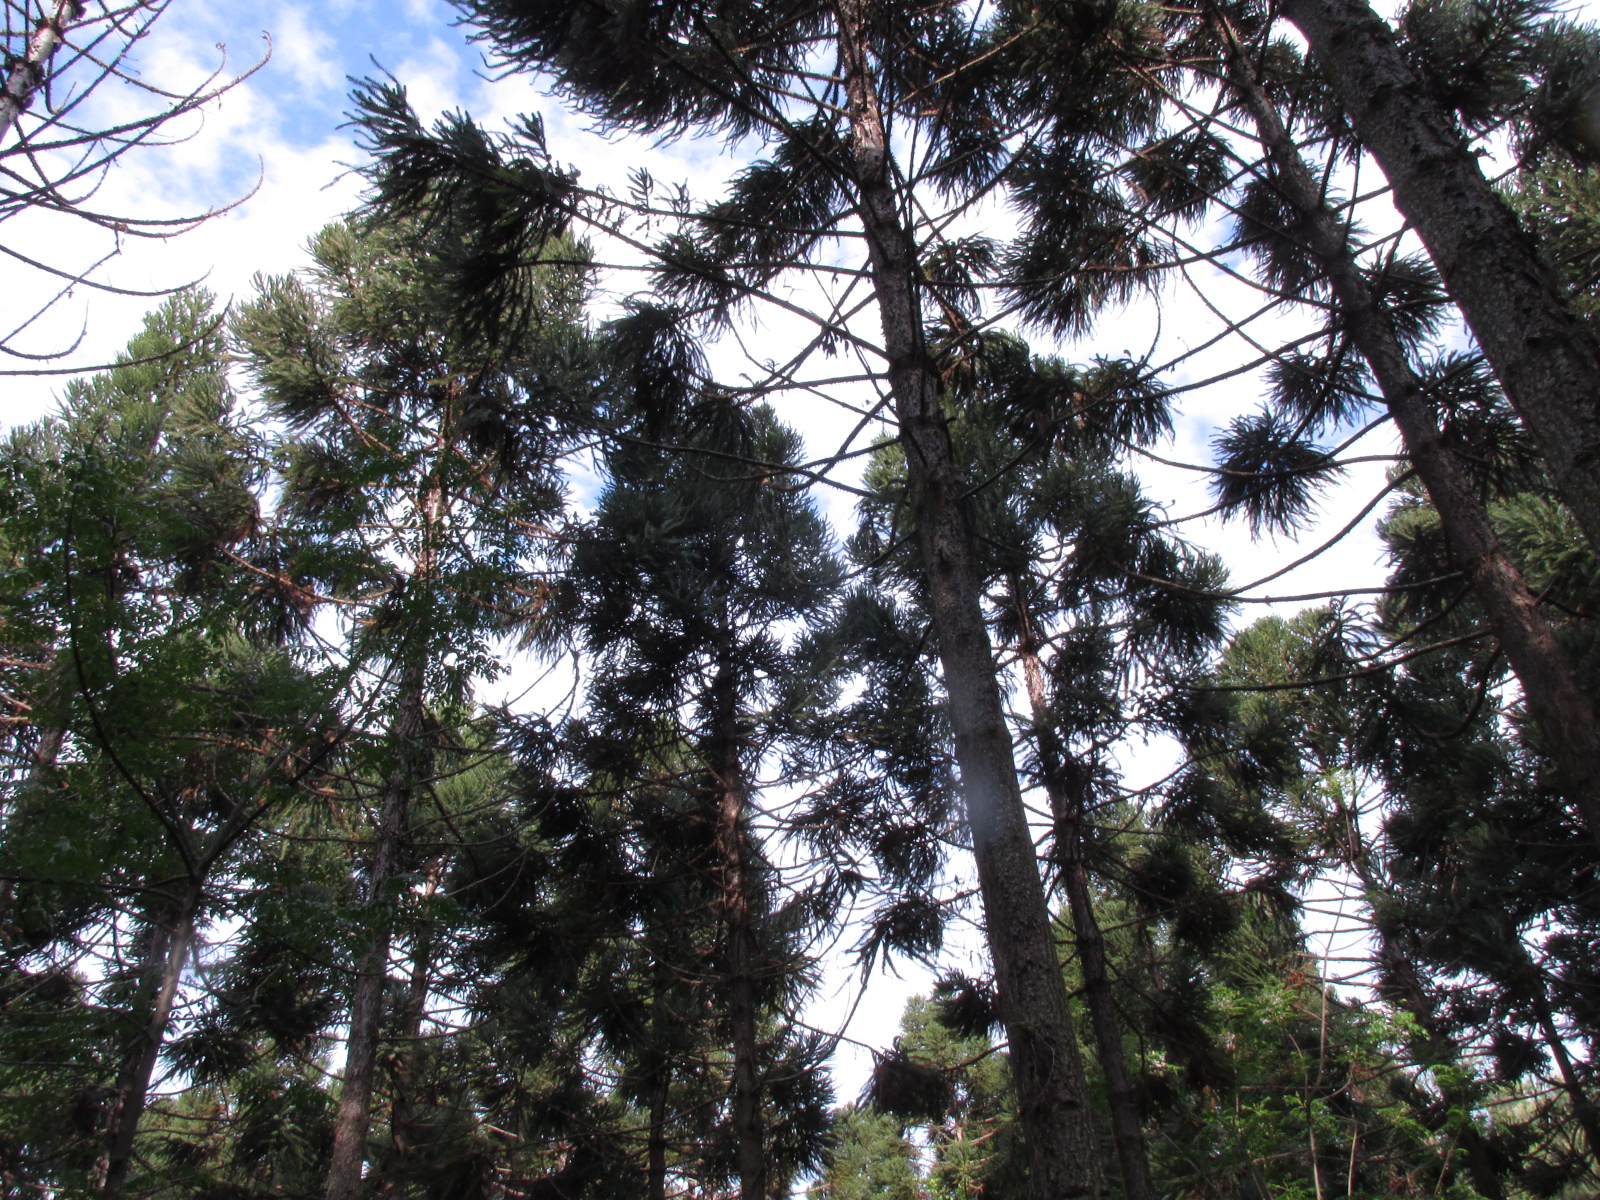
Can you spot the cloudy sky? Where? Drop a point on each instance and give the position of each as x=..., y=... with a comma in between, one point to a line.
x=275, y=145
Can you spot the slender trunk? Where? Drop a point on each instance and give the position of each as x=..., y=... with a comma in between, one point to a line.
x=354, y=1117
x=41, y=761
x=1584, y=1112
x=29, y=73
x=171, y=937
x=403, y=1102
x=1045, y=1064
x=45, y=754
x=1563, y=711
x=732, y=849
x=656, y=1153
x=1066, y=795
x=1548, y=362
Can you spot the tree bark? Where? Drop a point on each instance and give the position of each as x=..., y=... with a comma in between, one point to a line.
x=731, y=845
x=1546, y=359
x=30, y=73
x=1067, y=807
x=354, y=1117
x=1563, y=711
x=41, y=762
x=171, y=938
x=1045, y=1063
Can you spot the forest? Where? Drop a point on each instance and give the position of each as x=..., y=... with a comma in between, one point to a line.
x=457, y=728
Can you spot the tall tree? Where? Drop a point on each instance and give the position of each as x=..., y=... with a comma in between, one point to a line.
x=1545, y=357
x=414, y=476
x=186, y=724
x=699, y=554
x=1099, y=608
x=1413, y=397
x=661, y=70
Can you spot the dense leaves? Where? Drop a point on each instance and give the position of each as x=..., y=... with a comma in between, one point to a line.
x=449, y=752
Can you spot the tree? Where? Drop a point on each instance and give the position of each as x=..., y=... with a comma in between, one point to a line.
x=1413, y=397
x=697, y=558
x=1099, y=609
x=659, y=71
x=416, y=474
x=181, y=724
x=1544, y=356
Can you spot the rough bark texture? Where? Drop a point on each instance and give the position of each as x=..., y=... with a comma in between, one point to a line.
x=1045, y=1064
x=1067, y=808
x=1565, y=714
x=656, y=1155
x=41, y=763
x=45, y=753
x=171, y=937
x=731, y=846
x=1546, y=359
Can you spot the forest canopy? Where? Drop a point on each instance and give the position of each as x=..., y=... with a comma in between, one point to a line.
x=468, y=705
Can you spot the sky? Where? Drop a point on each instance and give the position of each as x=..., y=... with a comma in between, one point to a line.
x=276, y=154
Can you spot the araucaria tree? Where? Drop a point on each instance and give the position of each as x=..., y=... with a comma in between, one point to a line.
x=164, y=727
x=414, y=486
x=701, y=565
x=831, y=179
x=1298, y=906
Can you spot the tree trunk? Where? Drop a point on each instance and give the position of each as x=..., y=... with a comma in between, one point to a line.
x=403, y=1101
x=1045, y=1064
x=29, y=73
x=41, y=762
x=656, y=1152
x=171, y=937
x=354, y=1117
x=1067, y=807
x=1584, y=1112
x=732, y=849
x=1548, y=362
x=45, y=754
x=1564, y=713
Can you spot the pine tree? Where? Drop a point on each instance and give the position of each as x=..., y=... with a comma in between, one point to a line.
x=1419, y=400
x=1543, y=355
x=666, y=70
x=698, y=555
x=416, y=469
x=185, y=725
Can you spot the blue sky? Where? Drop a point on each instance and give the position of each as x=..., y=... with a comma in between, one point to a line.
x=276, y=144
